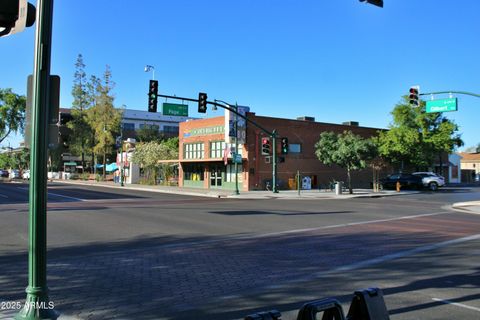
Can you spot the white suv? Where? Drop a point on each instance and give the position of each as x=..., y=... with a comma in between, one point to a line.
x=431, y=180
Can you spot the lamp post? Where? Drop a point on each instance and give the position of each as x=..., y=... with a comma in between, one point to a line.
x=149, y=68
x=121, y=164
x=37, y=290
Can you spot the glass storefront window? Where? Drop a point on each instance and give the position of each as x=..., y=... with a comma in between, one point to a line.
x=193, y=172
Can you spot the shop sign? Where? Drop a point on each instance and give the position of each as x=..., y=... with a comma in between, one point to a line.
x=204, y=131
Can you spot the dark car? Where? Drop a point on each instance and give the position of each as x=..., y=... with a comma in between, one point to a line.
x=4, y=173
x=407, y=181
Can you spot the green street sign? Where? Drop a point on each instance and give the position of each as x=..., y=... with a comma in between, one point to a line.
x=442, y=105
x=174, y=109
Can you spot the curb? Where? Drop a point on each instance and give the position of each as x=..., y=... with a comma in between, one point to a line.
x=247, y=195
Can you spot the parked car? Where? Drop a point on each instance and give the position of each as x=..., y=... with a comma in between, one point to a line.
x=26, y=175
x=14, y=174
x=431, y=180
x=407, y=181
x=4, y=173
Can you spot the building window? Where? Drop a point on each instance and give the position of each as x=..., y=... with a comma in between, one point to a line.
x=217, y=149
x=193, y=171
x=193, y=151
x=128, y=126
x=230, y=173
x=170, y=129
x=294, y=148
x=149, y=126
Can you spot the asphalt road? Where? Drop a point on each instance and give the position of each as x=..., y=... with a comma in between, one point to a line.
x=123, y=254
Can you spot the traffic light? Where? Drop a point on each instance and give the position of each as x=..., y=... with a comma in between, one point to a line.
x=152, y=96
x=265, y=146
x=284, y=147
x=413, y=97
x=378, y=3
x=15, y=15
x=202, y=102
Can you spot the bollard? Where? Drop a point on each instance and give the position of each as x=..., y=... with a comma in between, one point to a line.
x=368, y=304
x=267, y=315
x=331, y=308
x=398, y=186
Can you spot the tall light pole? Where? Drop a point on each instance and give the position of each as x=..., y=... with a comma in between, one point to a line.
x=149, y=68
x=37, y=301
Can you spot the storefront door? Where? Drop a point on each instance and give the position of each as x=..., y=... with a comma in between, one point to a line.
x=216, y=176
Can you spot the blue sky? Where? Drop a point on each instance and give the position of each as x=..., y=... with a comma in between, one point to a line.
x=337, y=60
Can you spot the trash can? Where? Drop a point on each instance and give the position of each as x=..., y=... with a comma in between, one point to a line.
x=338, y=187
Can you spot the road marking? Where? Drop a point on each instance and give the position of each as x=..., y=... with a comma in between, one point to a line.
x=456, y=304
x=349, y=224
x=402, y=254
x=66, y=197
x=3, y=196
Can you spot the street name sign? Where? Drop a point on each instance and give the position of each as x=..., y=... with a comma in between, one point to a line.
x=175, y=109
x=441, y=105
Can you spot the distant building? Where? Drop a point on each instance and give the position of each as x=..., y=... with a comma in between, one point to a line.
x=206, y=159
x=132, y=122
x=470, y=164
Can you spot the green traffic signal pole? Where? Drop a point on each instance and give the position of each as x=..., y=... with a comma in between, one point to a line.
x=37, y=304
x=457, y=92
x=227, y=106
x=235, y=108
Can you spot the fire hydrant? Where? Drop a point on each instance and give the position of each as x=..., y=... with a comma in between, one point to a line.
x=398, y=186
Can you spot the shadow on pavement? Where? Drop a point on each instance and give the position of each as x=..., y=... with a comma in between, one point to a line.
x=227, y=278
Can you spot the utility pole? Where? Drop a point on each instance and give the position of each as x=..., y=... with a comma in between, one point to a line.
x=236, y=150
x=37, y=304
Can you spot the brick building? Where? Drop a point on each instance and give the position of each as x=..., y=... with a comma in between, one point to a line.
x=206, y=161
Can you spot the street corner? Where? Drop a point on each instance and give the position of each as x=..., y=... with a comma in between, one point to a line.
x=472, y=207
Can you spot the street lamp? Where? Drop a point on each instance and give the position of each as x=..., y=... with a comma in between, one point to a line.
x=149, y=68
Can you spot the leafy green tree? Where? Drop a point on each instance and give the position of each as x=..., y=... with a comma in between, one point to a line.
x=415, y=137
x=12, y=113
x=5, y=160
x=103, y=118
x=18, y=159
x=80, y=141
x=150, y=153
x=347, y=150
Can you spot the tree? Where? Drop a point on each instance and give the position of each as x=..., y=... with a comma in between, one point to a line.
x=148, y=155
x=80, y=141
x=103, y=118
x=347, y=150
x=149, y=133
x=12, y=113
x=415, y=137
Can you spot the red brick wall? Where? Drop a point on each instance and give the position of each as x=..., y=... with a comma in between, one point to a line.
x=257, y=171
x=307, y=134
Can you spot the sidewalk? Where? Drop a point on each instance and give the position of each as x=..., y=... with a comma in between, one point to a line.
x=251, y=195
x=470, y=207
